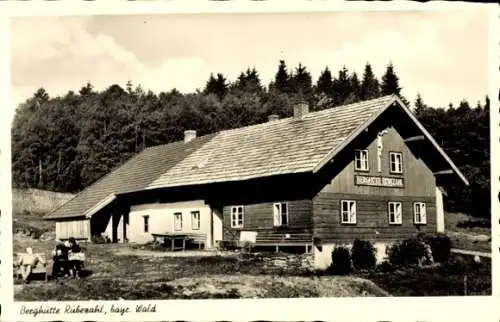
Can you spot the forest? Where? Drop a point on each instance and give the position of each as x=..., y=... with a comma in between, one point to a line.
x=65, y=143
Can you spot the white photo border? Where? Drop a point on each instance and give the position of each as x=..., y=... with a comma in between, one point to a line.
x=481, y=308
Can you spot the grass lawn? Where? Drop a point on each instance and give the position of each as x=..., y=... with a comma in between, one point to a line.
x=122, y=272
x=472, y=238
x=443, y=280
x=115, y=273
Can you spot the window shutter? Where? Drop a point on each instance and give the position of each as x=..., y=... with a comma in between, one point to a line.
x=353, y=212
x=423, y=213
x=277, y=214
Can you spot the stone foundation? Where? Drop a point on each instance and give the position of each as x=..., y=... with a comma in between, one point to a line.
x=289, y=261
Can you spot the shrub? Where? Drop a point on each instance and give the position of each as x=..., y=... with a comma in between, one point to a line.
x=99, y=239
x=440, y=246
x=341, y=261
x=409, y=252
x=363, y=254
x=386, y=267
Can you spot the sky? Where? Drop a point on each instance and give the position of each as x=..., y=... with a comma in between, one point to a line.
x=442, y=55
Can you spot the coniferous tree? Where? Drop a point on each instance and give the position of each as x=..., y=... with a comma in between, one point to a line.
x=342, y=86
x=419, y=105
x=325, y=83
x=217, y=86
x=301, y=82
x=370, y=87
x=282, y=79
x=390, y=82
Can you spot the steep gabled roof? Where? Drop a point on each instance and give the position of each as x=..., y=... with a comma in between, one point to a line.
x=278, y=147
x=135, y=174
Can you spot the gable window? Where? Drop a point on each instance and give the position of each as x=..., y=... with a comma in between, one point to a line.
x=195, y=220
x=146, y=223
x=348, y=211
x=396, y=162
x=419, y=213
x=178, y=221
x=280, y=214
x=237, y=217
x=361, y=160
x=395, y=213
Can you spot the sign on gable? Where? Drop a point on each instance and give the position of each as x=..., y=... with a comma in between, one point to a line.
x=379, y=181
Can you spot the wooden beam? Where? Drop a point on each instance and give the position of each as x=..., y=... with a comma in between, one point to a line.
x=448, y=171
x=415, y=138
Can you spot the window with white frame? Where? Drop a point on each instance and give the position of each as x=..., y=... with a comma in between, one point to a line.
x=396, y=162
x=280, y=212
x=348, y=211
x=146, y=223
x=361, y=160
x=195, y=220
x=237, y=215
x=395, y=213
x=178, y=221
x=419, y=213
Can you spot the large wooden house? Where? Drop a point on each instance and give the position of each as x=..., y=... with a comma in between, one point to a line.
x=367, y=170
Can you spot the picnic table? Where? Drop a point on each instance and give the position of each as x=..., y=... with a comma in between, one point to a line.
x=171, y=238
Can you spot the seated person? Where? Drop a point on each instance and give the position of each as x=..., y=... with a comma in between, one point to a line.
x=60, y=258
x=75, y=265
x=27, y=262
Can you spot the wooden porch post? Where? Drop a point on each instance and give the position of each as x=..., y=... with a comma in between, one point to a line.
x=439, y=211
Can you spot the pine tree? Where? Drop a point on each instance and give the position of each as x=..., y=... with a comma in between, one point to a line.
x=217, y=86
x=301, y=82
x=369, y=85
x=419, y=105
x=325, y=83
x=282, y=79
x=390, y=82
x=248, y=82
x=342, y=86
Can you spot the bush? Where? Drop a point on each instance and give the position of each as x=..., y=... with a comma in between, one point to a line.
x=411, y=251
x=341, y=261
x=99, y=239
x=363, y=254
x=440, y=246
x=386, y=267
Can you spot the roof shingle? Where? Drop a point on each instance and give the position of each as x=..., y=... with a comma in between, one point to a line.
x=284, y=146
x=278, y=147
x=135, y=174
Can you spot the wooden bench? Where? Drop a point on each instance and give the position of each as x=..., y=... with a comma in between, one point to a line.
x=198, y=239
x=40, y=268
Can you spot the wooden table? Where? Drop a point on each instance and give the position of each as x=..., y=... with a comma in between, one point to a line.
x=172, y=237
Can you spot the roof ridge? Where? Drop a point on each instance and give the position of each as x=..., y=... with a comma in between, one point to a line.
x=314, y=113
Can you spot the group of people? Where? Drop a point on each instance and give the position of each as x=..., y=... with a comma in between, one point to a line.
x=63, y=265
x=63, y=262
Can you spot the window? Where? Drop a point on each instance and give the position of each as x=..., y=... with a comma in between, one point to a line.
x=361, y=160
x=195, y=220
x=396, y=159
x=419, y=213
x=178, y=221
x=280, y=214
x=348, y=211
x=395, y=213
x=146, y=223
x=237, y=217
